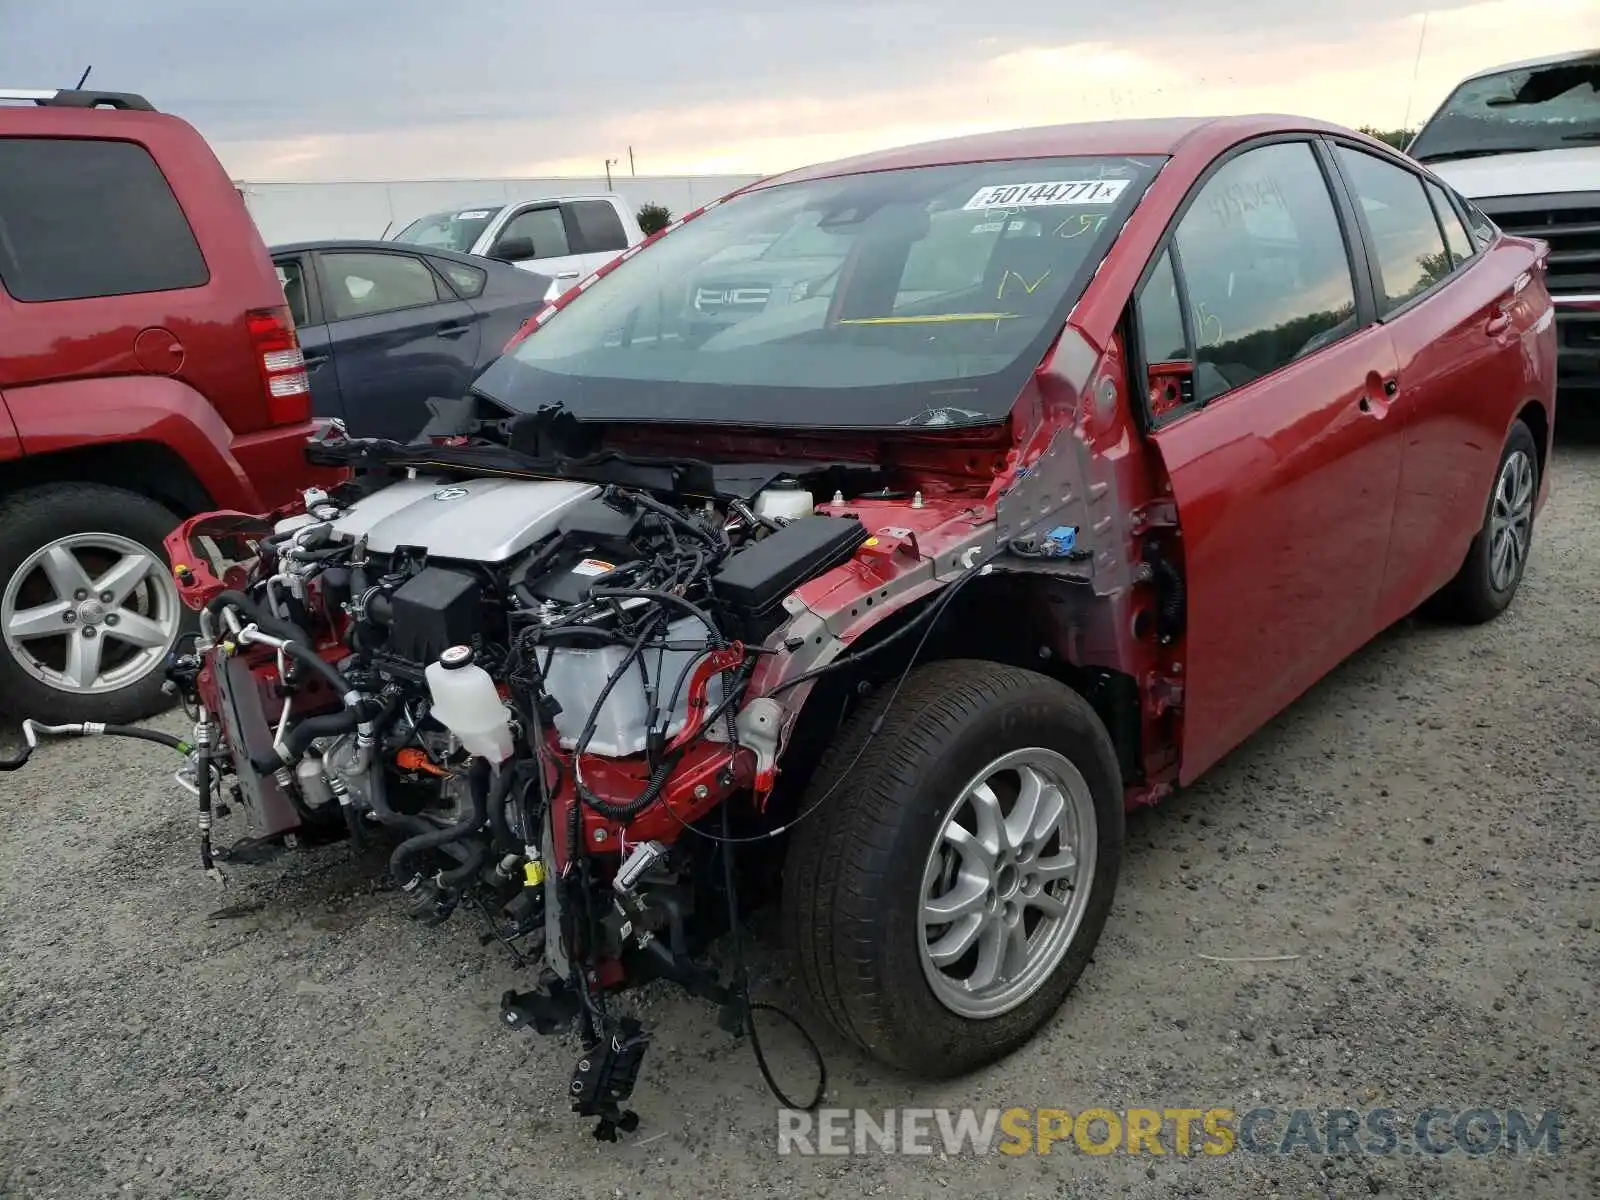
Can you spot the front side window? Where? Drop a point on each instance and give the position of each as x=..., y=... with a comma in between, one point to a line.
x=1267, y=276
x=914, y=296
x=456, y=229
x=364, y=285
x=1553, y=107
x=541, y=226
x=1404, y=231
x=83, y=218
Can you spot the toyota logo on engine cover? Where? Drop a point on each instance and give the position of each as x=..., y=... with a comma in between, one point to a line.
x=450, y=493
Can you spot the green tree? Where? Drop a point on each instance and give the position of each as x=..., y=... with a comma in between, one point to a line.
x=653, y=217
x=1398, y=138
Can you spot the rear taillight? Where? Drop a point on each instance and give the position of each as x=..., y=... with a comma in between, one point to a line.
x=283, y=367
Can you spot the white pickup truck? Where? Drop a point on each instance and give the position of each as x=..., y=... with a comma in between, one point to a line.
x=1522, y=143
x=564, y=237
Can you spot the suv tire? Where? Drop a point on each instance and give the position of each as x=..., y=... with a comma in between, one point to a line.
x=881, y=852
x=57, y=542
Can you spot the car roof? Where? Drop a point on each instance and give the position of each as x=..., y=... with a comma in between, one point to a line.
x=1551, y=60
x=362, y=244
x=1154, y=136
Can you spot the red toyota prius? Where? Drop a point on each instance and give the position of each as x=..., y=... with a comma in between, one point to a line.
x=1250, y=388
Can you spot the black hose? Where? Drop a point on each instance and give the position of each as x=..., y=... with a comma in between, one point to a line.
x=154, y=736
x=499, y=826
x=302, y=653
x=263, y=620
x=299, y=739
x=148, y=735
x=477, y=855
x=477, y=814
x=297, y=641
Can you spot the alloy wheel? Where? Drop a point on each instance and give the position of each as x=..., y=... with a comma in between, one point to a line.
x=1006, y=883
x=90, y=613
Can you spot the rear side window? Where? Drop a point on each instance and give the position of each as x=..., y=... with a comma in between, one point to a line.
x=1264, y=264
x=1405, y=233
x=364, y=285
x=292, y=278
x=82, y=218
x=599, y=227
x=1455, y=233
x=467, y=281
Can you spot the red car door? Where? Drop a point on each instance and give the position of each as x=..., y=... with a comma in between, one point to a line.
x=1285, y=461
x=1452, y=316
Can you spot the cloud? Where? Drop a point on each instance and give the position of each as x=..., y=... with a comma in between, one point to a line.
x=359, y=88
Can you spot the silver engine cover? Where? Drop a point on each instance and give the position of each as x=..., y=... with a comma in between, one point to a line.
x=479, y=520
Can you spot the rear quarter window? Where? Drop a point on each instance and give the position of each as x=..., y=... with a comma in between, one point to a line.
x=83, y=218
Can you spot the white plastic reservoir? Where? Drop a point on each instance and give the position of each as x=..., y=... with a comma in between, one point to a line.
x=466, y=702
x=576, y=677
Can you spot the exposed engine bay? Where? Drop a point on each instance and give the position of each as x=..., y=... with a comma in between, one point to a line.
x=560, y=694
x=535, y=681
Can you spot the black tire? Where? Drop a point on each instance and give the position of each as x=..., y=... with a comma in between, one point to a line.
x=854, y=869
x=36, y=517
x=1471, y=597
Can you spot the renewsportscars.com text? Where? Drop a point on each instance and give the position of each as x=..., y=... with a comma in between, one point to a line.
x=1181, y=1132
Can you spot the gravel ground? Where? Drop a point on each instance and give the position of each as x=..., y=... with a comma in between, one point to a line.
x=1420, y=831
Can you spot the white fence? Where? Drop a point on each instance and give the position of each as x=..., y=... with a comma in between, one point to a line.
x=292, y=212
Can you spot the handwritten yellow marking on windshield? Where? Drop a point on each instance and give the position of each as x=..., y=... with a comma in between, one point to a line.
x=1030, y=288
x=930, y=319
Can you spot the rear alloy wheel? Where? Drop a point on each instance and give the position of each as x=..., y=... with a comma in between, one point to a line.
x=947, y=893
x=1488, y=579
x=88, y=607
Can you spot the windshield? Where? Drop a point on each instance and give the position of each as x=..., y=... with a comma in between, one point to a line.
x=1536, y=108
x=918, y=296
x=458, y=229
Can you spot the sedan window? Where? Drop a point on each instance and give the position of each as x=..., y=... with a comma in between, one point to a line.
x=1265, y=268
x=467, y=281
x=292, y=279
x=363, y=285
x=1455, y=233
x=1405, y=233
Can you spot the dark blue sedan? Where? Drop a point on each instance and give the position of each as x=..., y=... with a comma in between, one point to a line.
x=384, y=327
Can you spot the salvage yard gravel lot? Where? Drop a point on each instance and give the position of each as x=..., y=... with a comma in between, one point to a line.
x=1421, y=830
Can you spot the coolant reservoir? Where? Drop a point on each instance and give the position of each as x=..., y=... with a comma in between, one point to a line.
x=466, y=702
x=785, y=500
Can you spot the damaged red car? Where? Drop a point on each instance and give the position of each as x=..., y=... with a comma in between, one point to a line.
x=885, y=530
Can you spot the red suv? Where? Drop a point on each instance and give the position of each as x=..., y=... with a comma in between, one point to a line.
x=149, y=370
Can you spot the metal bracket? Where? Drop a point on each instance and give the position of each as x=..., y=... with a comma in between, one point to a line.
x=1158, y=514
x=1165, y=693
x=1070, y=484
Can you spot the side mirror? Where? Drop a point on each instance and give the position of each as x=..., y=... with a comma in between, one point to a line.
x=513, y=250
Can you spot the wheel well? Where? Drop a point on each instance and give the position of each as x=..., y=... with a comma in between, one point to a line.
x=148, y=468
x=1538, y=423
x=994, y=618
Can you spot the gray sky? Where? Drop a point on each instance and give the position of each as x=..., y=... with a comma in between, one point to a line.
x=417, y=88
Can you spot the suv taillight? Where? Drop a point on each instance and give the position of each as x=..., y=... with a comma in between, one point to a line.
x=283, y=367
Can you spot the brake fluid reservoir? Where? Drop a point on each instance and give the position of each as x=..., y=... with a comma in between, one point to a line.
x=466, y=702
x=785, y=500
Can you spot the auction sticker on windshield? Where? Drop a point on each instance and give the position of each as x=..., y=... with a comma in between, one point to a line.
x=1041, y=195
